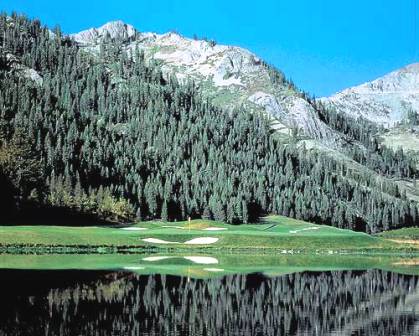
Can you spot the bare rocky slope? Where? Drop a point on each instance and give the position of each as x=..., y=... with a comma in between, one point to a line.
x=234, y=77
x=230, y=76
x=385, y=101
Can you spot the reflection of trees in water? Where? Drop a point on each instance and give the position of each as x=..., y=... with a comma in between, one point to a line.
x=372, y=302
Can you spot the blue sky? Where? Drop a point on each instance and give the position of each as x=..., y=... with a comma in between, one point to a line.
x=323, y=45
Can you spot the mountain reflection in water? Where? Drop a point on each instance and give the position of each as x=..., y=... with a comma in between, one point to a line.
x=121, y=303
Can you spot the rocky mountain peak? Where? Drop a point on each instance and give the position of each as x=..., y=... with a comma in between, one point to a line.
x=230, y=76
x=405, y=79
x=385, y=101
x=114, y=29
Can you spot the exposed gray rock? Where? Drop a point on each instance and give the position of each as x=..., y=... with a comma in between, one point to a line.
x=231, y=76
x=385, y=100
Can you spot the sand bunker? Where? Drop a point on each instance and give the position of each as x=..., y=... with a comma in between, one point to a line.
x=195, y=241
x=215, y=229
x=173, y=227
x=134, y=228
x=202, y=241
x=203, y=260
x=156, y=258
x=305, y=229
x=214, y=269
x=158, y=241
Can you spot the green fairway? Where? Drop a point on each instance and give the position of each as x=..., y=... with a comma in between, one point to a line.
x=405, y=233
x=274, y=233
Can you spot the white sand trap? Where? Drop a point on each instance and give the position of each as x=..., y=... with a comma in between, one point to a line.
x=173, y=226
x=214, y=269
x=305, y=229
x=203, y=260
x=133, y=268
x=134, y=228
x=215, y=229
x=156, y=258
x=195, y=241
x=202, y=241
x=158, y=241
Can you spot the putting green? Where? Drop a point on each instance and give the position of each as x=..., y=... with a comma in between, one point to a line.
x=274, y=233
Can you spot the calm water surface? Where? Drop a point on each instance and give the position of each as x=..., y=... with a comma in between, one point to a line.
x=121, y=303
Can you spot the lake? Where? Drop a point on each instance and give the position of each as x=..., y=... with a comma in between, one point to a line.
x=115, y=302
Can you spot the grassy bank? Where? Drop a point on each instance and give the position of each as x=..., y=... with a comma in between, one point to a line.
x=274, y=234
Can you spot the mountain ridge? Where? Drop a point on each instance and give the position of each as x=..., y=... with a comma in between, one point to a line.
x=384, y=101
x=230, y=76
x=115, y=29
x=233, y=77
x=112, y=133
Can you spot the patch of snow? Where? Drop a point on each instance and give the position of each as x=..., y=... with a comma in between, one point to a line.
x=202, y=241
x=203, y=260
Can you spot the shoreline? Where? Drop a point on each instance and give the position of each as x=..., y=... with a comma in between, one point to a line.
x=108, y=249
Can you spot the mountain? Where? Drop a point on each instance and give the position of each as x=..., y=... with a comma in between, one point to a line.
x=385, y=101
x=112, y=30
x=232, y=77
x=391, y=103
x=123, y=125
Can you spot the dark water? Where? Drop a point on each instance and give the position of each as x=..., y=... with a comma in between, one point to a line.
x=116, y=303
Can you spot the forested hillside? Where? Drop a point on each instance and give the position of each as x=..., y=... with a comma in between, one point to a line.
x=109, y=135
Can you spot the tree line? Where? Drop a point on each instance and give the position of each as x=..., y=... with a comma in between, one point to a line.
x=109, y=135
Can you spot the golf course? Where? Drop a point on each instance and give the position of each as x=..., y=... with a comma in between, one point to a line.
x=274, y=234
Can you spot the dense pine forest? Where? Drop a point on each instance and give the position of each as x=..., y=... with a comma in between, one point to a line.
x=110, y=136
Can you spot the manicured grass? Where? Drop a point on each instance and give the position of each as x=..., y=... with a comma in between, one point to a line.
x=405, y=233
x=275, y=233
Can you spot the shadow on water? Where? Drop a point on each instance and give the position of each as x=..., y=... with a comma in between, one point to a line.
x=371, y=302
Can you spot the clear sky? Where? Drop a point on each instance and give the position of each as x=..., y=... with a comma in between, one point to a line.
x=323, y=45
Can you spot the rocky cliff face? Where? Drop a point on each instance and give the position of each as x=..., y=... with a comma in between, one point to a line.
x=113, y=30
x=385, y=100
x=230, y=76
